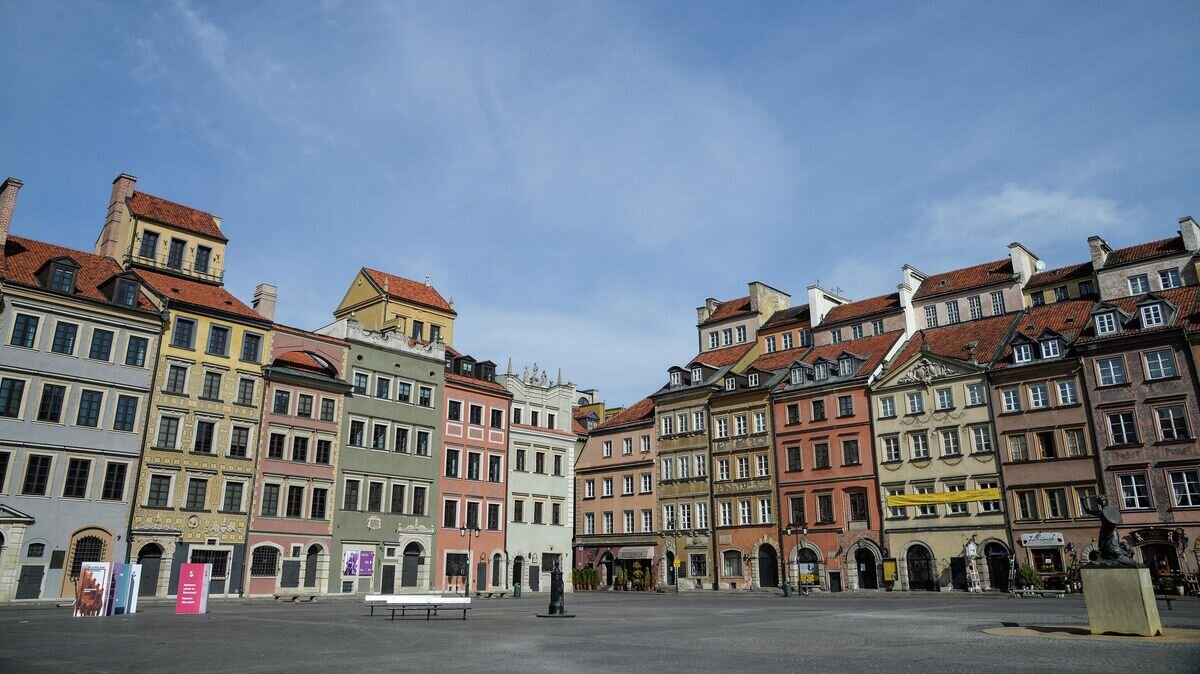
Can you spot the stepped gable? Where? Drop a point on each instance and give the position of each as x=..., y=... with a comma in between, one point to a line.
x=24, y=258
x=1068, y=318
x=958, y=280
x=408, y=290
x=168, y=212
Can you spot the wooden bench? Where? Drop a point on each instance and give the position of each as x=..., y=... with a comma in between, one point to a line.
x=296, y=596
x=430, y=603
x=1033, y=592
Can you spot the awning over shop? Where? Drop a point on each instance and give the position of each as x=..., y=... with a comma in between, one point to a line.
x=636, y=552
x=935, y=498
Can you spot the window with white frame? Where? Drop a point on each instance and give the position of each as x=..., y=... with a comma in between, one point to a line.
x=931, y=319
x=723, y=469
x=1039, y=396
x=763, y=470
x=760, y=422
x=1169, y=278
x=1185, y=488
x=1106, y=323
x=668, y=469
x=1172, y=423
x=887, y=407
x=752, y=379
x=722, y=430
x=606, y=486
x=701, y=465
x=952, y=311
x=926, y=510
x=684, y=467
x=1139, y=284
x=957, y=508
x=1135, y=491
x=627, y=484
x=589, y=523
x=981, y=439
x=698, y=420
x=919, y=441
x=1122, y=428
x=877, y=327
x=608, y=523
x=743, y=467
x=676, y=378
x=727, y=336
x=771, y=344
x=685, y=515
x=730, y=383
x=1012, y=399
x=741, y=333
x=668, y=517
x=1152, y=315
x=668, y=423
x=606, y=449
x=1051, y=348
x=726, y=513
x=627, y=446
x=645, y=443
x=891, y=448
x=856, y=331
x=974, y=307
x=1066, y=392
x=681, y=420
x=647, y=521
x=1160, y=364
x=1112, y=371
x=836, y=335
x=916, y=402
x=975, y=394
x=787, y=340
x=713, y=340
x=945, y=398
x=997, y=302
x=896, y=512
x=589, y=489
x=697, y=375
x=739, y=424
x=647, y=483
x=950, y=442
x=1022, y=353
x=991, y=506
x=744, y=512
x=764, y=511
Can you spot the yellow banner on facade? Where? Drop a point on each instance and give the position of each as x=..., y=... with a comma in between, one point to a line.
x=965, y=496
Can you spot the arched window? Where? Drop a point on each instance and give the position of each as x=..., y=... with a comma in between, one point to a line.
x=87, y=549
x=264, y=561
x=35, y=550
x=732, y=563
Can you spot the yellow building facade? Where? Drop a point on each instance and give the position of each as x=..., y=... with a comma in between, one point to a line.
x=382, y=301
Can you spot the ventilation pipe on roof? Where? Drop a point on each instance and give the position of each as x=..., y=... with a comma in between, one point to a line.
x=8, y=203
x=265, y=296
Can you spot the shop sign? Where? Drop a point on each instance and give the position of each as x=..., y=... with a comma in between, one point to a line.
x=1042, y=539
x=636, y=552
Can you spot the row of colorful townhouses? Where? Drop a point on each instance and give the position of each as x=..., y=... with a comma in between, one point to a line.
x=148, y=415
x=939, y=437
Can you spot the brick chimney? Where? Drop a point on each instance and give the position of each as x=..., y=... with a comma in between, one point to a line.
x=109, y=241
x=265, y=295
x=1188, y=229
x=1100, y=250
x=911, y=280
x=8, y=202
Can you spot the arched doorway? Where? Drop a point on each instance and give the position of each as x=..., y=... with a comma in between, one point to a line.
x=607, y=574
x=768, y=566
x=87, y=545
x=998, y=565
x=670, y=568
x=410, y=565
x=864, y=561
x=497, y=573
x=921, y=574
x=311, y=561
x=150, y=557
x=808, y=568
x=518, y=569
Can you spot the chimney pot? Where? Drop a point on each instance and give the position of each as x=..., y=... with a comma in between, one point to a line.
x=265, y=296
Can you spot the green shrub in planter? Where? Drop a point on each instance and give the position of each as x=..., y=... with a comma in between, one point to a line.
x=1027, y=576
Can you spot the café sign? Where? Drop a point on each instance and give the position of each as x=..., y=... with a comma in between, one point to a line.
x=1042, y=539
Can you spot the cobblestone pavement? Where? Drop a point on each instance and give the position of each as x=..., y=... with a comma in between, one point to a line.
x=612, y=632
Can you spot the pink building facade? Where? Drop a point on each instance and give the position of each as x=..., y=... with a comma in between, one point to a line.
x=295, y=479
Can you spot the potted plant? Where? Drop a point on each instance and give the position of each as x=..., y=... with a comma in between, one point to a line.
x=1028, y=577
x=639, y=576
x=622, y=579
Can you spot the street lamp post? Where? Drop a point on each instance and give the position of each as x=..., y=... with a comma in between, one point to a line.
x=468, y=533
x=799, y=529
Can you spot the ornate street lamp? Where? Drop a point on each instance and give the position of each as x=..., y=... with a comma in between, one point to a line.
x=468, y=533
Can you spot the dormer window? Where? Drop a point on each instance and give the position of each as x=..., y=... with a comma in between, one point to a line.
x=822, y=371
x=797, y=376
x=126, y=293
x=468, y=368
x=676, y=379
x=1106, y=324
x=730, y=383
x=1022, y=353
x=845, y=367
x=1051, y=349
x=450, y=364
x=1152, y=315
x=62, y=279
x=697, y=375
x=752, y=380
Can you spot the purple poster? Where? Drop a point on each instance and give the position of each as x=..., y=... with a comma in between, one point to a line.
x=350, y=563
x=366, y=563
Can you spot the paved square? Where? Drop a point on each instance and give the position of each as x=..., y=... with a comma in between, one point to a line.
x=613, y=632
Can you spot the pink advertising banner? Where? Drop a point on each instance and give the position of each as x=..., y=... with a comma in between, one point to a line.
x=192, y=597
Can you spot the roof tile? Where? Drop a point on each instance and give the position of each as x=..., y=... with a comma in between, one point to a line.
x=951, y=341
x=729, y=309
x=1059, y=275
x=1185, y=317
x=639, y=411
x=408, y=290
x=1068, y=318
x=207, y=295
x=722, y=357
x=170, y=213
x=958, y=280
x=889, y=303
x=783, y=317
x=1145, y=251
x=23, y=258
x=873, y=348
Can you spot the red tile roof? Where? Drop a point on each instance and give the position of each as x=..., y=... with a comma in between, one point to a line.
x=23, y=258
x=642, y=410
x=1068, y=318
x=480, y=383
x=958, y=280
x=729, y=309
x=778, y=359
x=951, y=341
x=863, y=308
x=302, y=360
x=873, y=348
x=1185, y=299
x=1145, y=251
x=170, y=213
x=279, y=327
x=408, y=290
x=1067, y=273
x=722, y=357
x=790, y=316
x=195, y=293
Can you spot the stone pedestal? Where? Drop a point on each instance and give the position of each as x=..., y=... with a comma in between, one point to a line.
x=1120, y=601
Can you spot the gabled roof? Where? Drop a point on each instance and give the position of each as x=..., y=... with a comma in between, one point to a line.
x=480, y=383
x=1067, y=318
x=958, y=280
x=177, y=215
x=985, y=336
x=778, y=359
x=729, y=309
x=722, y=357
x=784, y=317
x=407, y=290
x=195, y=293
x=1185, y=316
x=640, y=411
x=24, y=258
x=860, y=309
x=308, y=362
x=1145, y=251
x=1060, y=275
x=872, y=349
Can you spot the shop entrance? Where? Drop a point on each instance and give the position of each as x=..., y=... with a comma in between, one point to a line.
x=921, y=569
x=867, y=578
x=768, y=566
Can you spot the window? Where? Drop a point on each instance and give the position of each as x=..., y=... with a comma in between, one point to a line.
x=1185, y=488
x=375, y=497
x=606, y=449
x=1169, y=278
x=945, y=399
x=626, y=446
x=739, y=424
x=126, y=413
x=76, y=482
x=1160, y=364
x=997, y=302
x=1122, y=428
x=264, y=561
x=713, y=340
x=793, y=413
x=495, y=472
x=205, y=431
x=1172, y=423
x=981, y=439
x=821, y=455
x=159, y=493
x=1027, y=505
x=762, y=465
x=770, y=345
x=1012, y=399
x=956, y=508
x=175, y=254
x=1038, y=298
x=926, y=510
x=1018, y=448
x=589, y=523
x=218, y=340
x=360, y=383
x=877, y=327
x=850, y=453
x=212, y=386
x=920, y=445
x=518, y=510
x=300, y=449
x=891, y=448
x=952, y=311
x=730, y=383
x=450, y=514
x=418, y=501
x=1047, y=445
x=184, y=334
x=1061, y=294
x=896, y=512
x=726, y=513
x=797, y=376
x=685, y=516
x=176, y=379
x=251, y=347
x=324, y=450
x=1075, y=442
x=50, y=407
x=64, y=338
x=89, y=408
x=245, y=395
x=856, y=332
x=200, y=260
x=1112, y=371
x=328, y=409
x=304, y=406
x=497, y=419
x=101, y=348
x=727, y=336
x=1051, y=349
x=1139, y=284
x=1152, y=315
x=764, y=511
x=196, y=492
x=974, y=394
x=168, y=433
x=723, y=469
x=916, y=403
x=787, y=340
x=474, y=466
x=743, y=467
x=1066, y=392
x=931, y=318
x=824, y=508
x=149, y=245
x=837, y=335
x=744, y=511
x=233, y=497
x=451, y=462
x=114, y=482
x=379, y=435
x=1022, y=353
x=722, y=430
x=135, y=351
x=539, y=463
x=1056, y=504
x=992, y=506
x=538, y=509
x=401, y=438
x=741, y=333
x=24, y=331
x=275, y=446
x=1039, y=397
x=845, y=406
x=425, y=396
x=887, y=407
x=350, y=497
x=646, y=483
x=697, y=375
x=818, y=410
x=516, y=415
x=974, y=307
x=950, y=442
x=476, y=417
x=383, y=387
x=1135, y=492
x=752, y=380
x=1106, y=324
x=521, y=459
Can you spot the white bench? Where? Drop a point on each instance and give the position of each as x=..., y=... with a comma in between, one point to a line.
x=430, y=603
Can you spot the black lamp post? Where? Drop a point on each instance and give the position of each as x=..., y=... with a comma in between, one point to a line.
x=799, y=529
x=468, y=533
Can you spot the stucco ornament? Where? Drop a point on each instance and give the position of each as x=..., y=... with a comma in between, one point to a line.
x=926, y=371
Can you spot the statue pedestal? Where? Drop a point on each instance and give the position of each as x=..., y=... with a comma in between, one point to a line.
x=1120, y=601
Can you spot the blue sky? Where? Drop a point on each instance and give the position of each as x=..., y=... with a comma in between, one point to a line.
x=580, y=176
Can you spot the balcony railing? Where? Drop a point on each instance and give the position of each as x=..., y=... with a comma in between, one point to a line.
x=176, y=265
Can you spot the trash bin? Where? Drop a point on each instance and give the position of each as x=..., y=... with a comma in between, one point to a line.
x=517, y=591
x=787, y=589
